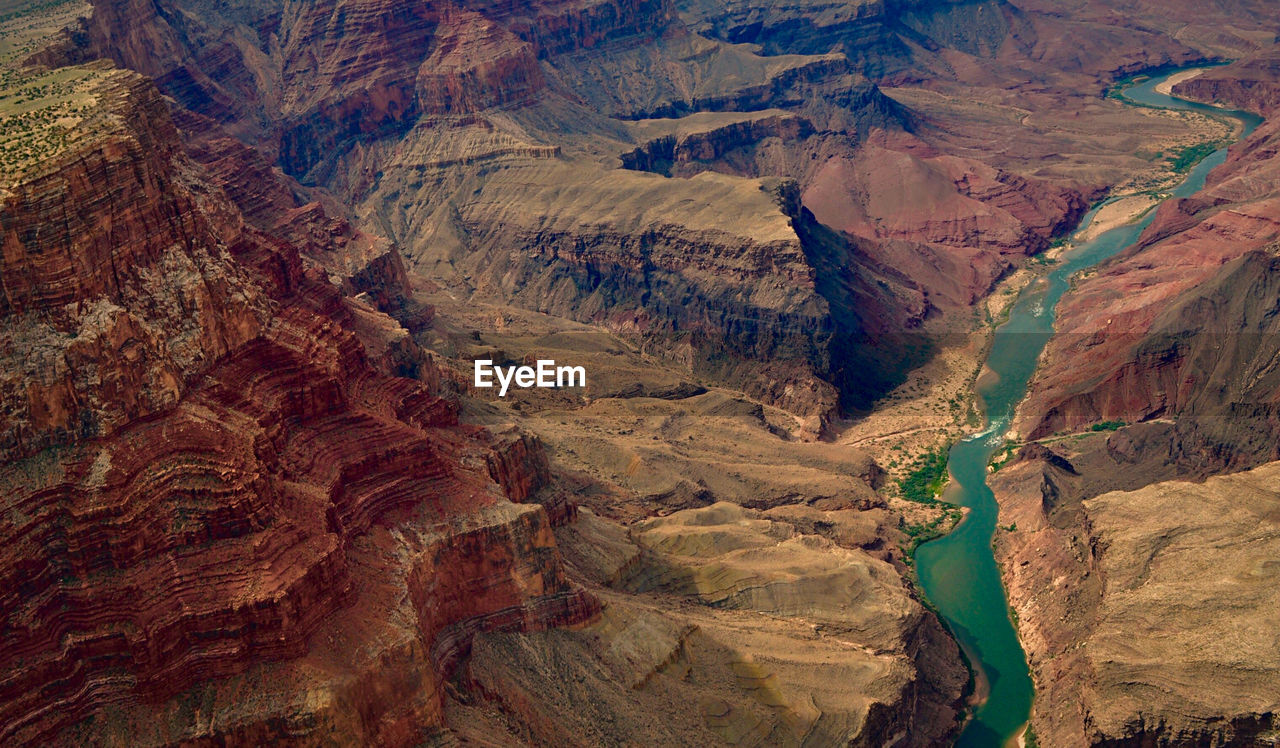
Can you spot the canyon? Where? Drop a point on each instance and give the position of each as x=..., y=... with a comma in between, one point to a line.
x=1171, y=344
x=252, y=252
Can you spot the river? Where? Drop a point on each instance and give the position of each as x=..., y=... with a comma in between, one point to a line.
x=958, y=572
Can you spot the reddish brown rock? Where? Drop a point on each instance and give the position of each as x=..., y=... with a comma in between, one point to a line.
x=952, y=225
x=1252, y=83
x=251, y=485
x=117, y=291
x=1149, y=334
x=476, y=65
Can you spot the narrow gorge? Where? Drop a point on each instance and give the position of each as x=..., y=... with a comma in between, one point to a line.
x=958, y=573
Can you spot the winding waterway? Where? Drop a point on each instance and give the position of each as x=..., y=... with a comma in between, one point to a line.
x=958, y=572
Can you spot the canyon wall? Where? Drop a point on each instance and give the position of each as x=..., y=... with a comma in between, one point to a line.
x=216, y=477
x=244, y=503
x=241, y=504
x=402, y=127
x=1188, y=336
x=1129, y=557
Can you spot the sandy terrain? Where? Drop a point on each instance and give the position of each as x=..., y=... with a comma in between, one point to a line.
x=1101, y=143
x=1126, y=209
x=1166, y=87
x=933, y=407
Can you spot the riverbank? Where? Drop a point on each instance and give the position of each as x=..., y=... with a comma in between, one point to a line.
x=959, y=573
x=1166, y=86
x=1119, y=212
x=1047, y=565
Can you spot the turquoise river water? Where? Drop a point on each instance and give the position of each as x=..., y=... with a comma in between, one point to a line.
x=958, y=572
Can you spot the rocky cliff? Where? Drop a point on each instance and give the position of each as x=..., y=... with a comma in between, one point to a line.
x=270, y=524
x=245, y=503
x=1110, y=554
x=1140, y=608
x=770, y=640
x=551, y=98
x=207, y=478
x=1250, y=84
x=117, y=295
x=1188, y=336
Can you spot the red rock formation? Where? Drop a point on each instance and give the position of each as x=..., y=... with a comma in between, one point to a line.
x=953, y=225
x=560, y=26
x=1252, y=84
x=476, y=65
x=1167, y=329
x=349, y=70
x=249, y=476
x=687, y=154
x=124, y=295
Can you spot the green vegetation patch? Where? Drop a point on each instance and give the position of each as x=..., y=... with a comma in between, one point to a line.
x=1192, y=155
x=1108, y=426
x=42, y=113
x=925, y=479
x=1003, y=455
x=919, y=533
x=1029, y=739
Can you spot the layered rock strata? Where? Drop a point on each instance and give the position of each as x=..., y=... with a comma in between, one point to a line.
x=1143, y=611
x=218, y=486
x=459, y=133
x=1128, y=580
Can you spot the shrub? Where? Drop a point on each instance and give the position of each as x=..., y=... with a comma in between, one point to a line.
x=925, y=479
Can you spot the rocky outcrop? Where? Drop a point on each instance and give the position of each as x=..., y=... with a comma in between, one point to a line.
x=563, y=26
x=343, y=72
x=952, y=225
x=476, y=65
x=727, y=557
x=1222, y=332
x=243, y=485
x=747, y=627
x=554, y=95
x=1150, y=338
x=864, y=31
x=1120, y=604
x=1171, y=328
x=1109, y=557
x=1252, y=84
x=356, y=547
x=688, y=153
x=117, y=292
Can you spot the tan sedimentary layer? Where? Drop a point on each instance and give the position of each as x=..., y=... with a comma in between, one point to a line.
x=1146, y=620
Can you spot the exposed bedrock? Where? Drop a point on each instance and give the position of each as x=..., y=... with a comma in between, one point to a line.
x=737, y=625
x=307, y=80
x=1252, y=83
x=1142, y=610
x=1139, y=592
x=241, y=484
x=695, y=151
x=117, y=293
x=1182, y=326
x=472, y=134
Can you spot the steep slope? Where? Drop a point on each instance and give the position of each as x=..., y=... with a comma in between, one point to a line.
x=629, y=180
x=1108, y=558
x=784, y=634
x=481, y=138
x=1186, y=336
x=263, y=535
x=204, y=472
x=1143, y=610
